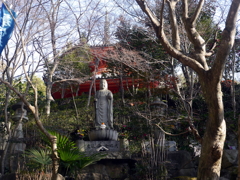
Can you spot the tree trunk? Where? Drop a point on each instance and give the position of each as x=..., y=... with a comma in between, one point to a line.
x=214, y=137
x=8, y=132
x=233, y=94
x=213, y=141
x=238, y=178
x=55, y=158
x=48, y=99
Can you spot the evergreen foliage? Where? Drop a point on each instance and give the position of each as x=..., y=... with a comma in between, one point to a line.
x=74, y=62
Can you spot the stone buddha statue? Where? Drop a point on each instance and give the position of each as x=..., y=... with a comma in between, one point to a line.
x=104, y=106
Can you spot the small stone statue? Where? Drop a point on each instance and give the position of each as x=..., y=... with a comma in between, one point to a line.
x=104, y=106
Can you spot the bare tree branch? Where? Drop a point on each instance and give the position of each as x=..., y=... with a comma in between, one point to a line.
x=227, y=41
x=175, y=31
x=197, y=12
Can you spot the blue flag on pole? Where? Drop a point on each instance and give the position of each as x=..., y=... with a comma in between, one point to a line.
x=6, y=26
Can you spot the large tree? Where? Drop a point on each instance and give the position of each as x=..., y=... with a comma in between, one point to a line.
x=18, y=57
x=209, y=77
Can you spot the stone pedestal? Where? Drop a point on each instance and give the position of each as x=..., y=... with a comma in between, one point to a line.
x=103, y=135
x=93, y=146
x=124, y=144
x=80, y=144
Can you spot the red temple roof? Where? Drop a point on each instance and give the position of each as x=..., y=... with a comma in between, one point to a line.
x=65, y=91
x=68, y=89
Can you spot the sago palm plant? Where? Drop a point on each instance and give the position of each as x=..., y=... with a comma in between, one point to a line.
x=71, y=159
x=39, y=159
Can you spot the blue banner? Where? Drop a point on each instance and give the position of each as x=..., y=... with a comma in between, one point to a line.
x=6, y=26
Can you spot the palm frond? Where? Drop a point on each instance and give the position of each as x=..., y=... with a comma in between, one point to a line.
x=69, y=154
x=62, y=141
x=90, y=159
x=39, y=156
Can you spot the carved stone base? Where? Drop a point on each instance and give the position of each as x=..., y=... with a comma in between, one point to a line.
x=106, y=146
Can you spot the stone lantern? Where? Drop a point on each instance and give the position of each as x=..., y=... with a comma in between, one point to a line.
x=159, y=111
x=20, y=112
x=158, y=108
x=19, y=117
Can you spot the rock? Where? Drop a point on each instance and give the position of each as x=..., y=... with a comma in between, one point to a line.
x=223, y=178
x=92, y=176
x=9, y=177
x=181, y=164
x=180, y=159
x=45, y=176
x=111, y=168
x=229, y=173
x=229, y=158
x=192, y=172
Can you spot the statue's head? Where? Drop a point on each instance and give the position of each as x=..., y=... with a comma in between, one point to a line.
x=103, y=84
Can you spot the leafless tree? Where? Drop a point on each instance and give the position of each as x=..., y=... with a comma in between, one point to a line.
x=20, y=59
x=41, y=35
x=210, y=78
